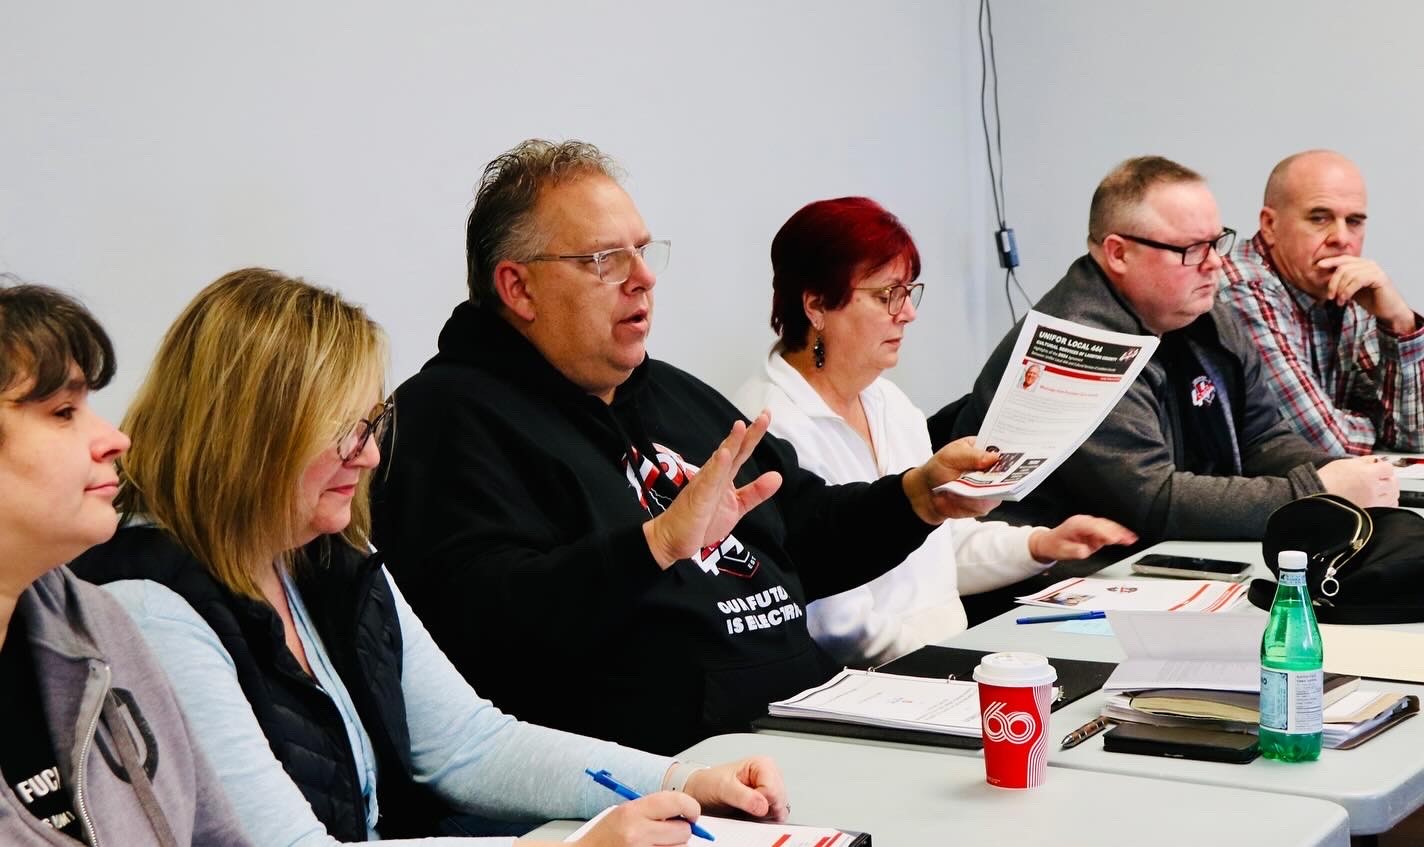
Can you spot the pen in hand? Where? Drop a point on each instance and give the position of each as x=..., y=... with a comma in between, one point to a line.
x=605, y=779
x=1084, y=732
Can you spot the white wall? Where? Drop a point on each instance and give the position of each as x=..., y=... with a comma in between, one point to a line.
x=148, y=147
x=1228, y=88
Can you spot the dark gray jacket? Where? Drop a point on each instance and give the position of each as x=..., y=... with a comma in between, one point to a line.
x=111, y=714
x=1130, y=469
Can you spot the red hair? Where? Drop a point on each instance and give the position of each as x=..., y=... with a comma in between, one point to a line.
x=822, y=250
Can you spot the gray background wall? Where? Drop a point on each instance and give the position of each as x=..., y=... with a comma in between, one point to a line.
x=1227, y=88
x=148, y=147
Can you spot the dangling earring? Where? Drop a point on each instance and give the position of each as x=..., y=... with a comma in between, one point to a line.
x=818, y=352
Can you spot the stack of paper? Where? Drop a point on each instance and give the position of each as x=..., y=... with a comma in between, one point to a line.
x=1092, y=594
x=1228, y=711
x=1204, y=671
x=889, y=700
x=1361, y=715
x=1119, y=708
x=1184, y=652
x=1226, y=705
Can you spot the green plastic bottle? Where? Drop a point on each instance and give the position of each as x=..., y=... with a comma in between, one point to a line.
x=1291, y=676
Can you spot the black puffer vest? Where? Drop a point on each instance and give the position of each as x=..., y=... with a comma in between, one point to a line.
x=354, y=612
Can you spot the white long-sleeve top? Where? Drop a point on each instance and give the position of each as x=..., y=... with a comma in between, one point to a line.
x=917, y=602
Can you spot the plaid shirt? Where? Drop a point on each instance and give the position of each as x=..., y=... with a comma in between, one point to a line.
x=1343, y=383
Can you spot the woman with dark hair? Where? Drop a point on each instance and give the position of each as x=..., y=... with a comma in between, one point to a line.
x=95, y=749
x=844, y=289
x=328, y=712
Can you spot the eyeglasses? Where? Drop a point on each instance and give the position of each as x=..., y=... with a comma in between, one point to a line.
x=894, y=296
x=353, y=440
x=1195, y=253
x=616, y=265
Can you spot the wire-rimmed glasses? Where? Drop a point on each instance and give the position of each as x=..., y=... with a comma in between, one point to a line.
x=615, y=265
x=353, y=440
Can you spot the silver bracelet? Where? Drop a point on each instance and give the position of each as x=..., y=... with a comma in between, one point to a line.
x=679, y=774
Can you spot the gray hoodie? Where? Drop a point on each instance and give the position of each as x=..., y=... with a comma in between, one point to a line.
x=111, y=715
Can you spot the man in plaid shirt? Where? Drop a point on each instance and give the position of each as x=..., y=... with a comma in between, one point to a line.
x=1342, y=349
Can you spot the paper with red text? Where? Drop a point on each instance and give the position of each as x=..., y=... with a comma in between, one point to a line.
x=1097, y=594
x=734, y=833
x=1062, y=380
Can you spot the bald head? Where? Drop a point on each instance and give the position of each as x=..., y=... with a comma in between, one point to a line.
x=1304, y=167
x=1313, y=209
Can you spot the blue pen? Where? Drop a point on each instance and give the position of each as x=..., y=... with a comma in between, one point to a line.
x=605, y=779
x=1066, y=616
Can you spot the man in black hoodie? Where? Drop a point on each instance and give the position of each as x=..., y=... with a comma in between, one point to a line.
x=578, y=523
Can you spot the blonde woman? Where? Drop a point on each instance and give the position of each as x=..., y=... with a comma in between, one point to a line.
x=329, y=713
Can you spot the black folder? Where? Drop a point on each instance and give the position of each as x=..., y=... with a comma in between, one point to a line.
x=1076, y=678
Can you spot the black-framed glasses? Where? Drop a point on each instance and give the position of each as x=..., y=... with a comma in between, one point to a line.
x=614, y=266
x=1195, y=253
x=354, y=439
x=894, y=296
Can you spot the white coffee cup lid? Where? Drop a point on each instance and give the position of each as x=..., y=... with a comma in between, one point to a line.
x=1014, y=670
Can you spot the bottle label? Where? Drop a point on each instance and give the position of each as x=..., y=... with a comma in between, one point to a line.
x=1295, y=578
x=1291, y=701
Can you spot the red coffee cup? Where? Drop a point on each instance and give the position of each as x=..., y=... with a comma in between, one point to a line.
x=1015, y=699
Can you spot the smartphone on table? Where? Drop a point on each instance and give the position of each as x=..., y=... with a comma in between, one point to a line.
x=1191, y=567
x=1209, y=745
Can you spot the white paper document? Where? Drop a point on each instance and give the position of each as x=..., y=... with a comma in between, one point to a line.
x=882, y=699
x=1406, y=465
x=1094, y=594
x=1374, y=652
x=1063, y=379
x=734, y=833
x=1187, y=650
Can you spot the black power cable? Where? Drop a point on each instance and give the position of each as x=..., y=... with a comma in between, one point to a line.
x=1004, y=238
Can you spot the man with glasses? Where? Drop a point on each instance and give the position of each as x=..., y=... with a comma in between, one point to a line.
x=577, y=523
x=1197, y=448
x=1342, y=349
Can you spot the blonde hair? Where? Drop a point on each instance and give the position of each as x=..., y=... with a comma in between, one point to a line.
x=259, y=374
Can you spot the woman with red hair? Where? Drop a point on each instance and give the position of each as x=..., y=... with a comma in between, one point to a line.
x=844, y=290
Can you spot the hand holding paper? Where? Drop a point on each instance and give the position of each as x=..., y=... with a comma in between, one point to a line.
x=1063, y=379
x=925, y=485
x=661, y=818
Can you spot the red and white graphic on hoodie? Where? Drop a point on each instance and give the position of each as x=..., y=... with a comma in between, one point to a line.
x=656, y=483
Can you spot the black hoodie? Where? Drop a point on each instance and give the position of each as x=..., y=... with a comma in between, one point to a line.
x=511, y=516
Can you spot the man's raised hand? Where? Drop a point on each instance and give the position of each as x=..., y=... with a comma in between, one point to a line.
x=707, y=508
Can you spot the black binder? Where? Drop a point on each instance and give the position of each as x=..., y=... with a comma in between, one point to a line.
x=1076, y=678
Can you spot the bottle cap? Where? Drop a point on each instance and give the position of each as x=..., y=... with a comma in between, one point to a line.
x=1292, y=560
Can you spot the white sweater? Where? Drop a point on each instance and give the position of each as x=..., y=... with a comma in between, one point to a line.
x=916, y=603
